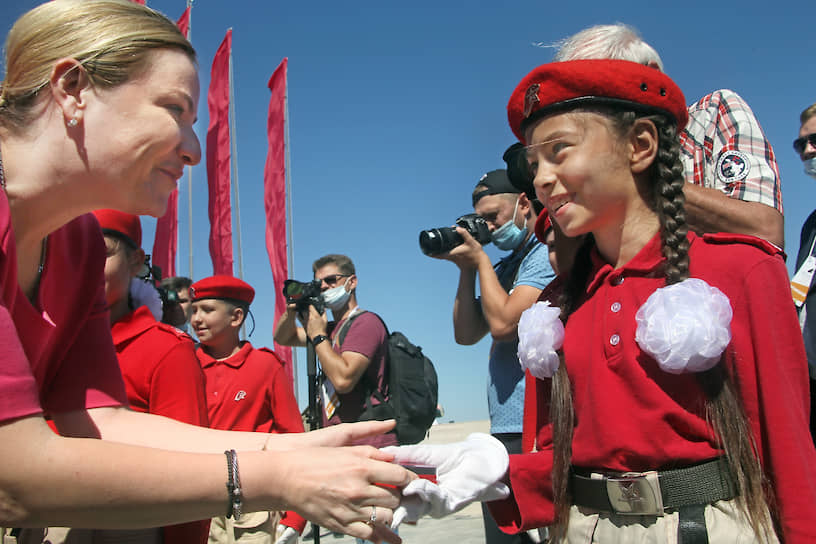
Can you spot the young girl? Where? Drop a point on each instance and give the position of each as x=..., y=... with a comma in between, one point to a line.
x=603, y=154
x=679, y=400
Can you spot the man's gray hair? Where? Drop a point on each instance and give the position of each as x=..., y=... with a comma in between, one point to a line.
x=618, y=41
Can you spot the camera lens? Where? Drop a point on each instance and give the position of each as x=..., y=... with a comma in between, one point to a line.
x=436, y=241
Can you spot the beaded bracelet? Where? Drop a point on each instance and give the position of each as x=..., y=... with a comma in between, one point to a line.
x=236, y=496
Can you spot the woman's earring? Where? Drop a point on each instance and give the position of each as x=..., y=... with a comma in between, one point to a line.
x=73, y=122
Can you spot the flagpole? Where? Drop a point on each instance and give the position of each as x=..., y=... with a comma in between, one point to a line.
x=190, y=168
x=290, y=252
x=234, y=146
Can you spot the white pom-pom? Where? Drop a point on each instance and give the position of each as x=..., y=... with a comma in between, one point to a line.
x=685, y=327
x=142, y=293
x=540, y=333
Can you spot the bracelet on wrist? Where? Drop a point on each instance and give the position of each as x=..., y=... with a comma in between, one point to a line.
x=235, y=494
x=319, y=338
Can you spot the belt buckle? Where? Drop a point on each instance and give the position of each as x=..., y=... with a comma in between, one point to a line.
x=635, y=493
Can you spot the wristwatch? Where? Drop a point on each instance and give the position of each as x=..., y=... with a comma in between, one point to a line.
x=319, y=338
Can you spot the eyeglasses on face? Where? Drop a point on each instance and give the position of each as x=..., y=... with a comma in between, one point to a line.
x=799, y=144
x=334, y=278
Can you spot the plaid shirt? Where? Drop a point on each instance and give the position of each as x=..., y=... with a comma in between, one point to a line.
x=723, y=147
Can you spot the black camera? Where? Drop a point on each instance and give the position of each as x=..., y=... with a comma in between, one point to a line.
x=303, y=295
x=443, y=239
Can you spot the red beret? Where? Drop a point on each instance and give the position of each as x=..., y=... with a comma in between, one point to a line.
x=222, y=287
x=560, y=86
x=543, y=224
x=126, y=224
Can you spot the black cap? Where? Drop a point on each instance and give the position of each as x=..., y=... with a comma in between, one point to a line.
x=494, y=182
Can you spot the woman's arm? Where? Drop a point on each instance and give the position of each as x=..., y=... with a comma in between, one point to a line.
x=46, y=479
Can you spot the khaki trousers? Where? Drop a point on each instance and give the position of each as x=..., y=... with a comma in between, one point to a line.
x=250, y=528
x=724, y=522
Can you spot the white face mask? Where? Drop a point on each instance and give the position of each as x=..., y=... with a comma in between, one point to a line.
x=336, y=297
x=810, y=167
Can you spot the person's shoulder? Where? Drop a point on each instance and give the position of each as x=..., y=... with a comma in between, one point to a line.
x=168, y=334
x=266, y=354
x=720, y=100
x=368, y=320
x=538, y=251
x=728, y=246
x=82, y=236
x=809, y=222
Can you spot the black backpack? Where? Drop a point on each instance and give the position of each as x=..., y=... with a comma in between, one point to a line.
x=412, y=384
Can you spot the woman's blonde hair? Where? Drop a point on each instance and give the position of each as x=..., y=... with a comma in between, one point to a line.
x=112, y=39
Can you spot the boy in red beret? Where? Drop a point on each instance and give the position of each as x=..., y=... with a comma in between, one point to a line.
x=247, y=390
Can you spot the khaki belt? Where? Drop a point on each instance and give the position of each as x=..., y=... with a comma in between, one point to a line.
x=652, y=493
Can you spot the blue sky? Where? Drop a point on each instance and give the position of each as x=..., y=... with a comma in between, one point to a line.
x=397, y=109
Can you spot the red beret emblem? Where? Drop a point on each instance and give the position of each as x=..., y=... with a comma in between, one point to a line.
x=531, y=99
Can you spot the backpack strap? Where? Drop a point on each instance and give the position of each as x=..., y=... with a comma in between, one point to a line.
x=371, y=389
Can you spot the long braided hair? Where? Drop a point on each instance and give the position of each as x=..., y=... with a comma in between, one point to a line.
x=724, y=411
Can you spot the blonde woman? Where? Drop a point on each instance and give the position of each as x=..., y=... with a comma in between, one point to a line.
x=96, y=111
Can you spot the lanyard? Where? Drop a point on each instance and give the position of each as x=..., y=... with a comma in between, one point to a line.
x=800, y=284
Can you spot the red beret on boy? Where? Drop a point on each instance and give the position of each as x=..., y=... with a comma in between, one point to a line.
x=125, y=224
x=222, y=286
x=560, y=86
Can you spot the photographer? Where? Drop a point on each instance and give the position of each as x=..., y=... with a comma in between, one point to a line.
x=507, y=289
x=352, y=347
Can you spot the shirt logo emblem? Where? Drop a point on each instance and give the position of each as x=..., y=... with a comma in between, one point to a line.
x=733, y=166
x=240, y=395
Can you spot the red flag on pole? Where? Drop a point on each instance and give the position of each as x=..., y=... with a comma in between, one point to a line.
x=165, y=244
x=218, y=161
x=183, y=23
x=275, y=195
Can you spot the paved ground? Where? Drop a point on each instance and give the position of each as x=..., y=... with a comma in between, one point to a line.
x=464, y=527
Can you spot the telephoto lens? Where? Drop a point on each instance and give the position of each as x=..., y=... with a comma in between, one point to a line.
x=441, y=240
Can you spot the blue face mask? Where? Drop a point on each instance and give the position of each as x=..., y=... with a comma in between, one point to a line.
x=810, y=167
x=509, y=236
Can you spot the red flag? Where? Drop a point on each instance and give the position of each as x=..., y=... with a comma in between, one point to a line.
x=275, y=196
x=165, y=244
x=142, y=2
x=218, y=161
x=183, y=23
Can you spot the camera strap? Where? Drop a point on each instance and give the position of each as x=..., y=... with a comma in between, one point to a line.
x=328, y=394
x=513, y=262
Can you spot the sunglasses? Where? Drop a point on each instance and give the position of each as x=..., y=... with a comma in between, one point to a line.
x=799, y=144
x=334, y=278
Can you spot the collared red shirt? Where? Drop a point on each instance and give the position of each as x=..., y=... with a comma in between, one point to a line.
x=723, y=147
x=631, y=416
x=250, y=391
x=161, y=372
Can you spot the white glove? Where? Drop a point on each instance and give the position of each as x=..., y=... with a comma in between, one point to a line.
x=285, y=535
x=465, y=472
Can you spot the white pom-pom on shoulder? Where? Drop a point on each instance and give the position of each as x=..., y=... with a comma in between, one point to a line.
x=540, y=333
x=685, y=327
x=142, y=293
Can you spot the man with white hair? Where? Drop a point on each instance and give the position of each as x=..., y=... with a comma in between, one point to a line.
x=731, y=171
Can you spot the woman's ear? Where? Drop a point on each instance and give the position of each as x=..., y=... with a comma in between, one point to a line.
x=643, y=140
x=68, y=81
